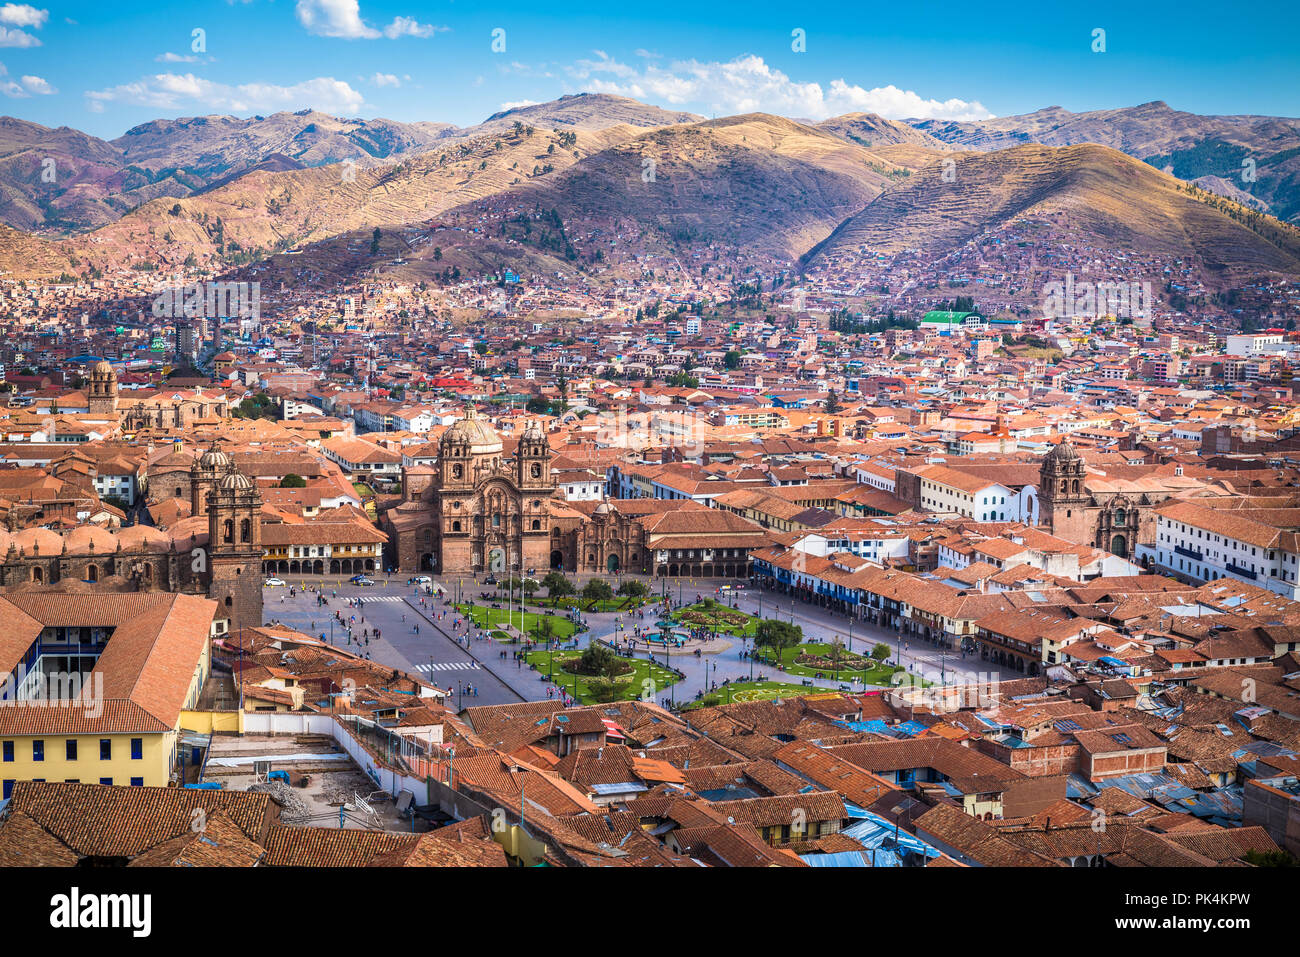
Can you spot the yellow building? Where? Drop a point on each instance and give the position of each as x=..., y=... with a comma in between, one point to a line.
x=94, y=685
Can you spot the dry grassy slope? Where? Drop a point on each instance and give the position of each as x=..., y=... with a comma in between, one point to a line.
x=581, y=111
x=871, y=130
x=270, y=209
x=23, y=256
x=756, y=180
x=1093, y=191
x=1141, y=131
x=214, y=143
x=1202, y=146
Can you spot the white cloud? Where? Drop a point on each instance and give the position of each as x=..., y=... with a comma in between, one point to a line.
x=25, y=86
x=335, y=18
x=747, y=84
x=38, y=85
x=342, y=19
x=17, y=38
x=23, y=15
x=385, y=79
x=410, y=27
x=170, y=57
x=516, y=104
x=176, y=91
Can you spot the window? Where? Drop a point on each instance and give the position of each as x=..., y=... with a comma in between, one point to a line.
x=137, y=782
x=105, y=780
x=38, y=750
x=8, y=789
x=9, y=750
x=137, y=749
x=105, y=749
x=70, y=749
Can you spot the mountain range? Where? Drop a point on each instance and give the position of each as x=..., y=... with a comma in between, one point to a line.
x=623, y=179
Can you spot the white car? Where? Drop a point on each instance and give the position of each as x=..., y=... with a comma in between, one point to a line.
x=273, y=583
x=423, y=580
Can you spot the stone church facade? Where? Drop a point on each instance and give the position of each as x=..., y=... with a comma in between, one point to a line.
x=474, y=512
x=1091, y=509
x=165, y=413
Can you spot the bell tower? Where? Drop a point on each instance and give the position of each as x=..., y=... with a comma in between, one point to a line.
x=1063, y=495
x=204, y=473
x=533, y=459
x=101, y=396
x=235, y=549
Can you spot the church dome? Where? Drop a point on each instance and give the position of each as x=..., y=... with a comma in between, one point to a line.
x=1065, y=452
x=235, y=479
x=102, y=369
x=533, y=433
x=214, y=460
x=473, y=432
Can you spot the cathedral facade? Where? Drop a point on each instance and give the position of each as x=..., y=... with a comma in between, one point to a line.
x=474, y=512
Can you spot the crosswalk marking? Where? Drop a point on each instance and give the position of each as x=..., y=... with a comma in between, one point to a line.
x=449, y=666
x=367, y=599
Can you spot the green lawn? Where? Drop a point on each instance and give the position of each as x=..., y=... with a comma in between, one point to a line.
x=632, y=685
x=755, y=691
x=488, y=617
x=710, y=611
x=879, y=674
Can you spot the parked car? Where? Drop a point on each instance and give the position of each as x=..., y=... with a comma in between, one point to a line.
x=362, y=580
x=423, y=580
x=273, y=583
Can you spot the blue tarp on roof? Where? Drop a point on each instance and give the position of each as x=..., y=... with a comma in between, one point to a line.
x=839, y=859
x=876, y=833
x=875, y=725
x=911, y=728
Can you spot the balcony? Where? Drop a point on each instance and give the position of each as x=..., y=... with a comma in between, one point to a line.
x=1191, y=553
x=1238, y=570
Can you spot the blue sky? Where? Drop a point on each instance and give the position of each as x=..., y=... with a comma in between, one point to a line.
x=103, y=68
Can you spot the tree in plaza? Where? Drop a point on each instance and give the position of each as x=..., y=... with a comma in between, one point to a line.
x=777, y=635
x=880, y=652
x=530, y=586
x=634, y=588
x=597, y=590
x=557, y=586
x=599, y=661
x=836, y=652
